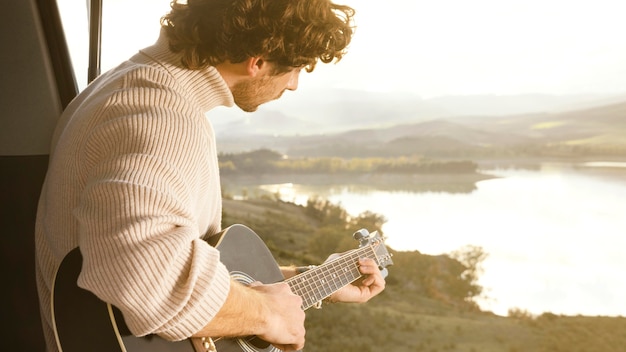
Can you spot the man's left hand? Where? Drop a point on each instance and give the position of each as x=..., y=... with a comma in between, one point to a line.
x=362, y=290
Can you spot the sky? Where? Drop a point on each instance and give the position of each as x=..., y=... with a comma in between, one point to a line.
x=425, y=47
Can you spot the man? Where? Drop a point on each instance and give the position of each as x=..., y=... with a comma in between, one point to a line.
x=133, y=177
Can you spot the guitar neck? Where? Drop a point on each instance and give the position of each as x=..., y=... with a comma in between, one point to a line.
x=322, y=281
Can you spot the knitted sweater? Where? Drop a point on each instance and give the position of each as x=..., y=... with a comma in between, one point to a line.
x=133, y=180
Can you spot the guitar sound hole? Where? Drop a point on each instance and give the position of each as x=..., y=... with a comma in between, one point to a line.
x=259, y=343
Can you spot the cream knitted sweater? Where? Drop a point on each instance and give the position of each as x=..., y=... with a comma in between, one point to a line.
x=133, y=180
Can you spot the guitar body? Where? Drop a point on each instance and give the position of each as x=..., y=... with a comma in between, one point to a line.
x=83, y=322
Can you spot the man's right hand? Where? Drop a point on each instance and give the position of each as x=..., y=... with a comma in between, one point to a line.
x=285, y=328
x=271, y=312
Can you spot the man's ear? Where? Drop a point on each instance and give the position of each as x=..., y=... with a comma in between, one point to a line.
x=254, y=65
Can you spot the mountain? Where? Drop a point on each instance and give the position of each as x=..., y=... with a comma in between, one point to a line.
x=604, y=121
x=311, y=112
x=599, y=129
x=321, y=112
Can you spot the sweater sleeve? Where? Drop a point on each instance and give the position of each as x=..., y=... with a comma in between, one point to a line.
x=147, y=175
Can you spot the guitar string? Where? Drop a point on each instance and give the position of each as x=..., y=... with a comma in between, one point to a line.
x=313, y=294
x=306, y=290
x=315, y=284
x=346, y=271
x=315, y=273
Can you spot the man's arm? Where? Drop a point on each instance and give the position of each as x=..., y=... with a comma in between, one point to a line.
x=271, y=312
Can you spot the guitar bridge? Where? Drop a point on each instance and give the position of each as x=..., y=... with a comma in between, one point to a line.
x=203, y=344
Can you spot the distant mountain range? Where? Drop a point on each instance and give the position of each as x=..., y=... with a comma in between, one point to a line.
x=349, y=124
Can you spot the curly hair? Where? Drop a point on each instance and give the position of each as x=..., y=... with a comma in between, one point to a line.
x=291, y=33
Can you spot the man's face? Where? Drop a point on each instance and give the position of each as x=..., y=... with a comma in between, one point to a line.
x=251, y=93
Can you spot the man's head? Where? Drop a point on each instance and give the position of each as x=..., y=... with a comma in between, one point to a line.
x=287, y=33
x=260, y=84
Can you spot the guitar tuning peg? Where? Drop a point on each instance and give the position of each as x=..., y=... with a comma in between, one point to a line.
x=361, y=234
x=384, y=272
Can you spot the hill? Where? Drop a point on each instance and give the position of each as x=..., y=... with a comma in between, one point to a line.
x=367, y=126
x=331, y=111
x=609, y=120
x=427, y=305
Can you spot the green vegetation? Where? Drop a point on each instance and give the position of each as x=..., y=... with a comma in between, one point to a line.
x=267, y=161
x=428, y=303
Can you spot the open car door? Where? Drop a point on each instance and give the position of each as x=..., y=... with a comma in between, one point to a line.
x=37, y=83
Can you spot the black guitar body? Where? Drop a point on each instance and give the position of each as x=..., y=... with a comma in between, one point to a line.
x=85, y=323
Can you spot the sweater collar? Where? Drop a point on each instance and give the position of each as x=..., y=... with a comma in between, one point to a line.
x=205, y=85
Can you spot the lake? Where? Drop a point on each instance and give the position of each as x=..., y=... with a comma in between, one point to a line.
x=555, y=234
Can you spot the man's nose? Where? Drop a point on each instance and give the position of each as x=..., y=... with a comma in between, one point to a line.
x=293, y=81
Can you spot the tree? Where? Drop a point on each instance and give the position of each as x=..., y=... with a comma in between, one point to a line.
x=471, y=257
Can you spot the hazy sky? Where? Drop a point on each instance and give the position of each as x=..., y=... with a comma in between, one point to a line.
x=431, y=48
x=490, y=46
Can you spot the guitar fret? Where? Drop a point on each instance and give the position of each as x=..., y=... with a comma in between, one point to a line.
x=320, y=282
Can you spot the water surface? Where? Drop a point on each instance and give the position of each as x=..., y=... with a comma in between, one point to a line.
x=555, y=236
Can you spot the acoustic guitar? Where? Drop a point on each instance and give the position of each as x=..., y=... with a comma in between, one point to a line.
x=82, y=322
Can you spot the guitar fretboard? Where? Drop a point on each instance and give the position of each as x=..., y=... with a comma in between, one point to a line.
x=322, y=281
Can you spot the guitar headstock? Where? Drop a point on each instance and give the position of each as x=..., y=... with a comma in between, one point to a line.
x=377, y=243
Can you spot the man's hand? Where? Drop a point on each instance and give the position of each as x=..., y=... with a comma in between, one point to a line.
x=285, y=328
x=362, y=290
x=271, y=312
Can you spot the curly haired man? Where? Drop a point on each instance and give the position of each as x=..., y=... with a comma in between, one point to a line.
x=133, y=175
